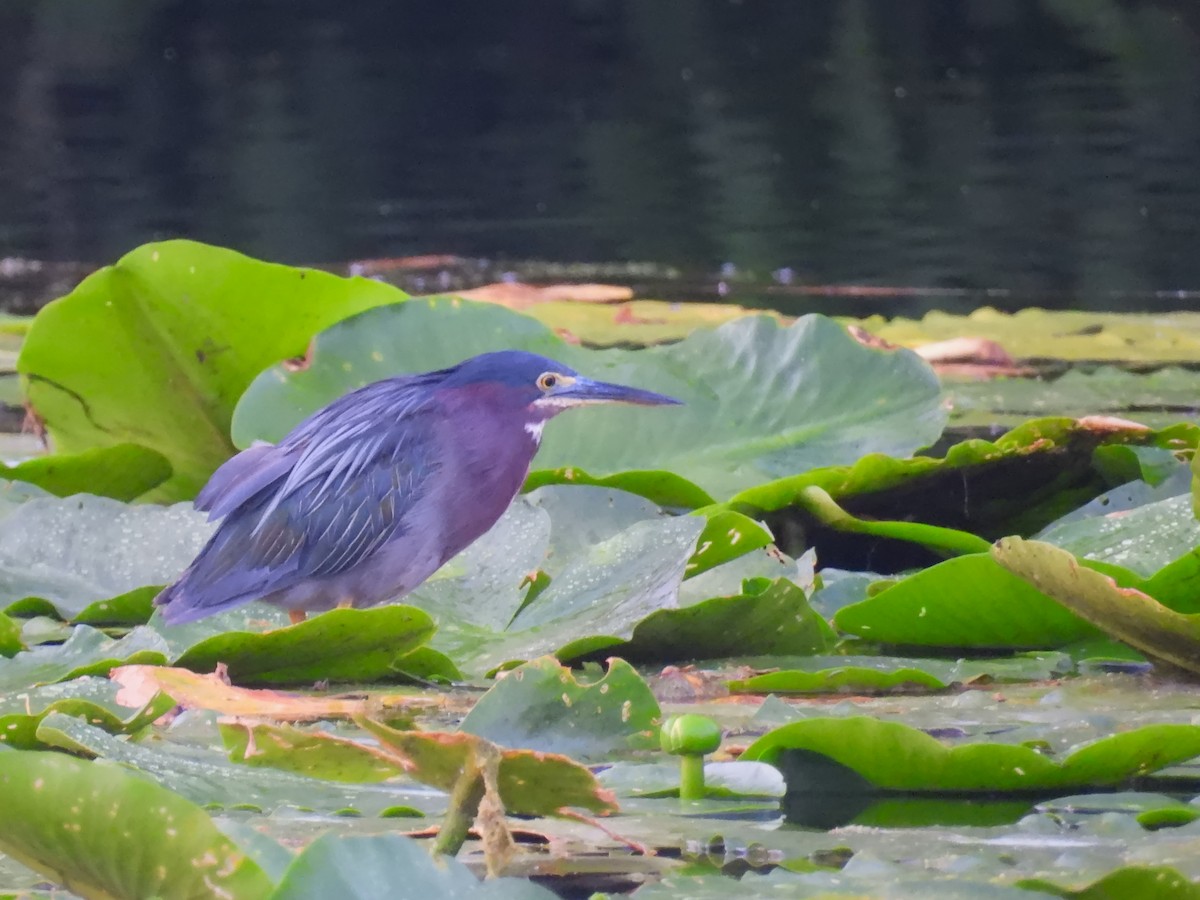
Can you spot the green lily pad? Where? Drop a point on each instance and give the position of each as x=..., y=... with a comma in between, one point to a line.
x=542, y=706
x=388, y=865
x=10, y=636
x=1143, y=540
x=132, y=608
x=157, y=349
x=667, y=489
x=1161, y=397
x=339, y=645
x=595, y=601
x=1020, y=482
x=1143, y=882
x=79, y=550
x=531, y=782
x=766, y=617
x=86, y=652
x=1058, y=334
x=891, y=756
x=746, y=417
x=105, y=833
x=968, y=601
x=121, y=471
x=206, y=776
x=1123, y=612
x=886, y=674
x=92, y=699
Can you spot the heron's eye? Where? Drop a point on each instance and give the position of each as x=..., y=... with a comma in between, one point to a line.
x=547, y=380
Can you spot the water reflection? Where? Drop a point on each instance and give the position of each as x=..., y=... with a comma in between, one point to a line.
x=1047, y=147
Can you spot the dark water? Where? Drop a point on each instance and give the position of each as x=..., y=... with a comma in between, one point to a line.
x=1049, y=148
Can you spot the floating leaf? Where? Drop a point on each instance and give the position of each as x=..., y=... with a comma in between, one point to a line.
x=531, y=783
x=80, y=550
x=388, y=865
x=766, y=617
x=120, y=471
x=753, y=408
x=102, y=832
x=896, y=757
x=1022, y=481
x=92, y=699
x=542, y=706
x=86, y=652
x=1125, y=613
x=157, y=349
x=339, y=645
x=969, y=601
x=1143, y=882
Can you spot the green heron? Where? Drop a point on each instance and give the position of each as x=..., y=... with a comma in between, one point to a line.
x=367, y=497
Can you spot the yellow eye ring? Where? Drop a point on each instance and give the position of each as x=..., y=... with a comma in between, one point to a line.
x=547, y=380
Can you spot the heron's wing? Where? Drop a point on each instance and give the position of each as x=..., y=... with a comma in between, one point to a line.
x=318, y=504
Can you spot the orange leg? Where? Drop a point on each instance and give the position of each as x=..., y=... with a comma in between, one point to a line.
x=346, y=603
x=297, y=616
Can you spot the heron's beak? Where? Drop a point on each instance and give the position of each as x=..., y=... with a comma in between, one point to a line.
x=583, y=390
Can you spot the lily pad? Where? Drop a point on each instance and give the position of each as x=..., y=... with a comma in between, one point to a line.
x=766, y=617
x=340, y=645
x=542, y=706
x=10, y=636
x=531, y=782
x=601, y=595
x=1123, y=612
x=80, y=550
x=86, y=652
x=388, y=865
x=121, y=471
x=92, y=699
x=1022, y=481
x=891, y=756
x=157, y=348
x=751, y=408
x=968, y=601
x=887, y=674
x=1058, y=334
x=206, y=776
x=1144, y=882
x=102, y=832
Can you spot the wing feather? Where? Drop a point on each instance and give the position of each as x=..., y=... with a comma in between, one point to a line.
x=332, y=493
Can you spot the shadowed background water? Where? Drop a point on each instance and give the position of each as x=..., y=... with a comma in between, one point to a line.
x=1049, y=148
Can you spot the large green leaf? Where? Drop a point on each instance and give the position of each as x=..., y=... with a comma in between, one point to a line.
x=340, y=645
x=530, y=782
x=92, y=699
x=762, y=400
x=896, y=757
x=1021, y=481
x=79, y=550
x=85, y=652
x=157, y=348
x=106, y=834
x=969, y=601
x=541, y=706
x=388, y=865
x=120, y=471
x=1123, y=612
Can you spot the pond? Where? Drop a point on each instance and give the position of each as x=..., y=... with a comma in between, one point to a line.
x=1005, y=152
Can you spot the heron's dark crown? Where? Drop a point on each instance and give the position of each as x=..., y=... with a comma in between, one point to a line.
x=511, y=368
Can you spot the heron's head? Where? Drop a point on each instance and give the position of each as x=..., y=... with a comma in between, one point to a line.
x=542, y=386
